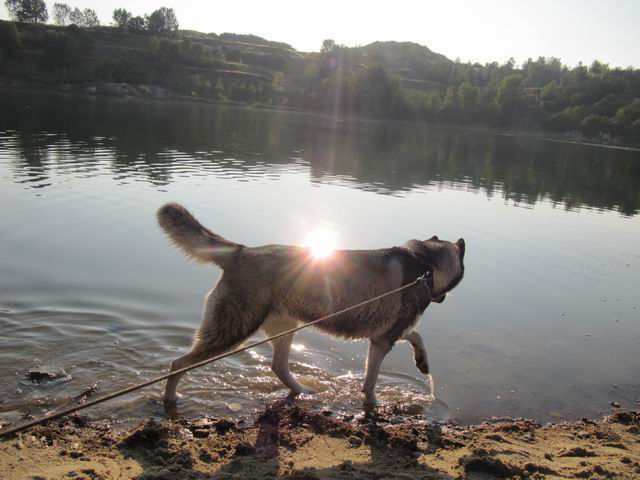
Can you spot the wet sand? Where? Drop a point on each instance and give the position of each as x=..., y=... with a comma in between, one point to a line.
x=286, y=441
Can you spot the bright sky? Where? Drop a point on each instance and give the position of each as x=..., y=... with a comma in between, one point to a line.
x=487, y=30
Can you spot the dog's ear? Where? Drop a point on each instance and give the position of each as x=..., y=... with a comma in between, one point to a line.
x=414, y=245
x=460, y=244
x=434, y=238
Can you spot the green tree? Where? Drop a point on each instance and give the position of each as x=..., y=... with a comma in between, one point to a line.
x=91, y=19
x=136, y=24
x=594, y=125
x=27, y=11
x=277, y=82
x=379, y=94
x=61, y=12
x=567, y=120
x=9, y=39
x=449, y=107
x=86, y=18
x=162, y=21
x=122, y=17
x=328, y=45
x=598, y=68
x=509, y=96
x=219, y=90
x=628, y=118
x=311, y=70
x=76, y=17
x=468, y=98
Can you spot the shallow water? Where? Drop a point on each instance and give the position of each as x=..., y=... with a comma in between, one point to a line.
x=544, y=325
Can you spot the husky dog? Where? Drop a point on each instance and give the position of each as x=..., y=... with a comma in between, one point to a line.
x=277, y=287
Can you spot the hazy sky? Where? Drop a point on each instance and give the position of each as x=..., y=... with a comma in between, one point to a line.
x=574, y=30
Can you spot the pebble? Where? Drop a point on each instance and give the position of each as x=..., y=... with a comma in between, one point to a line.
x=201, y=433
x=45, y=374
x=355, y=441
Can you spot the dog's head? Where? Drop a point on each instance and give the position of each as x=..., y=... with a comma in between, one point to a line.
x=447, y=260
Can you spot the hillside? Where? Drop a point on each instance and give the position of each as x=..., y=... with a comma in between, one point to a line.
x=400, y=80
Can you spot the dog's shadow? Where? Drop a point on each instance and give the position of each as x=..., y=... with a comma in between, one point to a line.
x=283, y=447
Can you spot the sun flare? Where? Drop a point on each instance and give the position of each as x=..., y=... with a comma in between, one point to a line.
x=322, y=241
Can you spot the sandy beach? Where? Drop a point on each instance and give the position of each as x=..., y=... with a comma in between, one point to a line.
x=286, y=441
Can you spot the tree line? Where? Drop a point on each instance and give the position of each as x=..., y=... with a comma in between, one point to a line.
x=542, y=94
x=400, y=80
x=160, y=21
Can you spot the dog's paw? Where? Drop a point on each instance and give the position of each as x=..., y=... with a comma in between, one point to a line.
x=421, y=363
x=303, y=391
x=307, y=391
x=370, y=403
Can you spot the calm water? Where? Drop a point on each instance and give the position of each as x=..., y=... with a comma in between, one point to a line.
x=545, y=324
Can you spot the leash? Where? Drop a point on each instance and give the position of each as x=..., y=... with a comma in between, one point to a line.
x=52, y=416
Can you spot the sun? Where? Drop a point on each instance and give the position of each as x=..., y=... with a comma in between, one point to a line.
x=322, y=241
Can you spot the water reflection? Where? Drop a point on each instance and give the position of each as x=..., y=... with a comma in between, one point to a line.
x=543, y=325
x=156, y=142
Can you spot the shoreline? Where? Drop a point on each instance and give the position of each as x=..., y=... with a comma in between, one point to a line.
x=286, y=441
x=154, y=93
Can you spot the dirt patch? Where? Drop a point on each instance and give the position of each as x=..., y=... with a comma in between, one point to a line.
x=289, y=442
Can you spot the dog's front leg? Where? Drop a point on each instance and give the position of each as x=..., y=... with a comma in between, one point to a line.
x=419, y=351
x=377, y=351
x=280, y=365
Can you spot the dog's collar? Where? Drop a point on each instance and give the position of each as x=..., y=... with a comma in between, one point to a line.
x=427, y=276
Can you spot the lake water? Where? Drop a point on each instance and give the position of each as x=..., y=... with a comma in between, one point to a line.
x=545, y=324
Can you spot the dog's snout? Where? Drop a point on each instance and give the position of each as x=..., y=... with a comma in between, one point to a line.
x=461, y=245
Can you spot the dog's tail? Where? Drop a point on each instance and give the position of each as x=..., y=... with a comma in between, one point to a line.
x=197, y=242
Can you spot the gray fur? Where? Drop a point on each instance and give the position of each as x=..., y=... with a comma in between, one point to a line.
x=277, y=286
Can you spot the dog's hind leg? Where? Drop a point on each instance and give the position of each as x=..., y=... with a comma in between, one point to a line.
x=228, y=321
x=377, y=351
x=419, y=351
x=195, y=355
x=274, y=325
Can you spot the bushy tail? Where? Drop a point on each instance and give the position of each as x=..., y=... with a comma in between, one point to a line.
x=197, y=242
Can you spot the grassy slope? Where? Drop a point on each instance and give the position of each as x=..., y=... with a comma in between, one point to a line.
x=196, y=59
